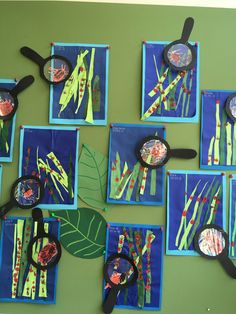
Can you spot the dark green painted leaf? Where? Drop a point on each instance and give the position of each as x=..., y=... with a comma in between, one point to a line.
x=83, y=232
x=92, y=177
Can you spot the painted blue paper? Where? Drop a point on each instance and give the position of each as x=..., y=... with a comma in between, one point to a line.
x=6, y=253
x=7, y=129
x=210, y=100
x=63, y=142
x=124, y=139
x=69, y=115
x=179, y=193
x=232, y=218
x=183, y=104
x=156, y=263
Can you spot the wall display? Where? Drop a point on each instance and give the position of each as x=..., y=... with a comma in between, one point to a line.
x=51, y=153
x=143, y=245
x=83, y=232
x=218, y=130
x=83, y=98
x=194, y=198
x=92, y=177
x=7, y=127
x=129, y=182
x=170, y=87
x=21, y=281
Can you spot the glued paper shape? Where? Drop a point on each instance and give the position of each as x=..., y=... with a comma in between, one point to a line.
x=83, y=98
x=128, y=181
x=168, y=95
x=218, y=132
x=7, y=129
x=83, y=232
x=194, y=198
x=232, y=218
x=52, y=154
x=145, y=244
x=20, y=281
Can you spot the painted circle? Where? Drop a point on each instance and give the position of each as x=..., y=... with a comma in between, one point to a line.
x=179, y=55
x=56, y=70
x=27, y=192
x=211, y=242
x=7, y=103
x=153, y=152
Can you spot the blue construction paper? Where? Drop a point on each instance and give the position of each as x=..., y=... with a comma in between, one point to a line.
x=64, y=143
x=124, y=139
x=208, y=127
x=232, y=218
x=176, y=202
x=6, y=251
x=7, y=156
x=68, y=116
x=157, y=252
x=150, y=80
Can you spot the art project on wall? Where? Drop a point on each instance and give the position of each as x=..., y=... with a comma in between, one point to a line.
x=51, y=153
x=129, y=182
x=218, y=130
x=21, y=281
x=194, y=198
x=170, y=91
x=83, y=98
x=232, y=218
x=144, y=244
x=7, y=127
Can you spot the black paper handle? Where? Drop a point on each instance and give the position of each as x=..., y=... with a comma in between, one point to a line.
x=4, y=209
x=32, y=55
x=183, y=153
x=22, y=84
x=228, y=266
x=37, y=215
x=187, y=29
x=110, y=301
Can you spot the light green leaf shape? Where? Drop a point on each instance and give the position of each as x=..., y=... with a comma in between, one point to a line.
x=92, y=177
x=83, y=232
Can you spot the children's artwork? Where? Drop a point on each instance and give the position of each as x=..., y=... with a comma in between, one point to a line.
x=21, y=281
x=7, y=128
x=168, y=95
x=218, y=132
x=92, y=177
x=83, y=232
x=232, y=218
x=83, y=98
x=128, y=181
x=194, y=198
x=145, y=245
x=51, y=153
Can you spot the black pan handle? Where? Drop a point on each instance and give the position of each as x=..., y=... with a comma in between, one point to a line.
x=37, y=215
x=228, y=266
x=4, y=209
x=183, y=153
x=32, y=55
x=22, y=84
x=187, y=29
x=110, y=301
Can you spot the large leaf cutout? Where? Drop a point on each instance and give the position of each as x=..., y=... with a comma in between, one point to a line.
x=83, y=232
x=92, y=177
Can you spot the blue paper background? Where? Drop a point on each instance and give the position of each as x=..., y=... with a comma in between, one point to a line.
x=209, y=124
x=8, y=156
x=176, y=203
x=70, y=52
x=150, y=80
x=113, y=233
x=63, y=143
x=124, y=139
x=232, y=215
x=6, y=244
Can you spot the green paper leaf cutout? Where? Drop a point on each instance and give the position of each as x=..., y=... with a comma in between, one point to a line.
x=83, y=232
x=92, y=177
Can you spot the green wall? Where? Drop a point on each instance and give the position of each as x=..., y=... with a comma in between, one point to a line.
x=191, y=285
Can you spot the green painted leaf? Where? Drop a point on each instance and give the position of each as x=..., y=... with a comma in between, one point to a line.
x=92, y=177
x=83, y=232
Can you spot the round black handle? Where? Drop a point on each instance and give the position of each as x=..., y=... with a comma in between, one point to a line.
x=22, y=84
x=183, y=153
x=110, y=301
x=32, y=55
x=187, y=29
